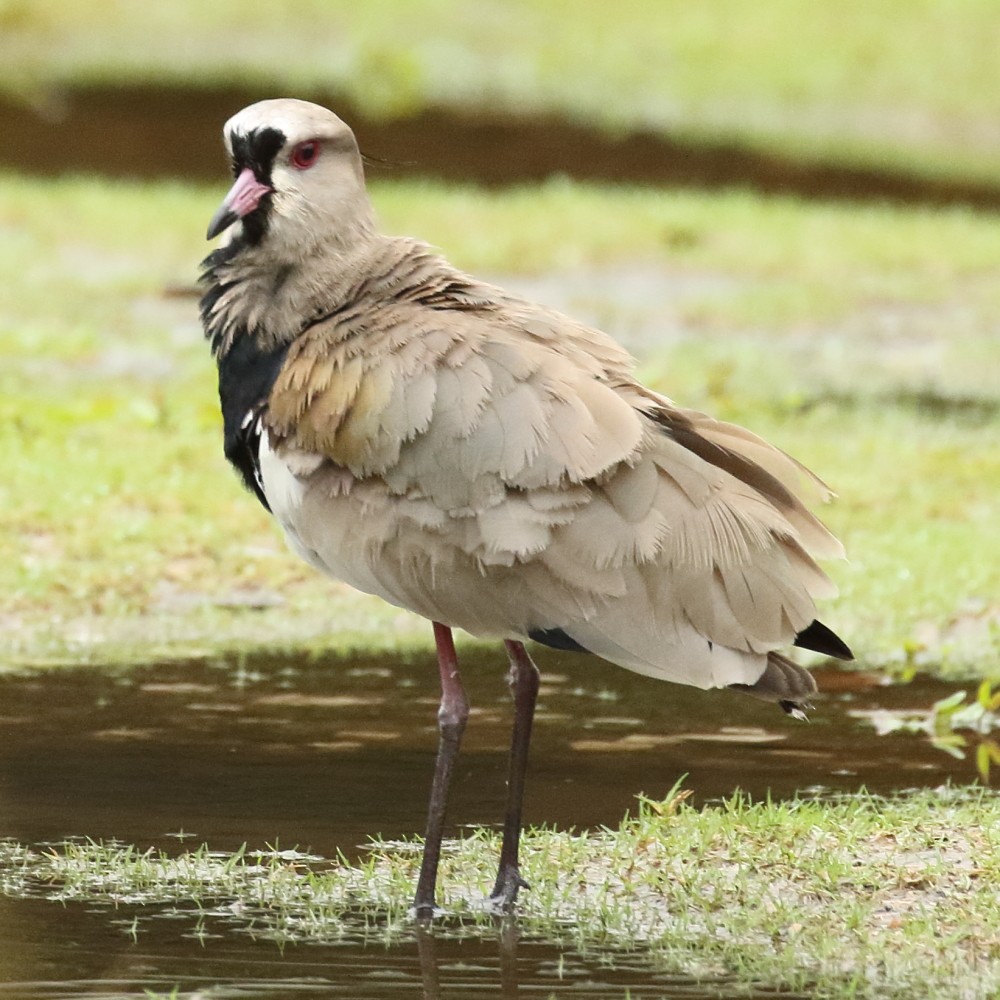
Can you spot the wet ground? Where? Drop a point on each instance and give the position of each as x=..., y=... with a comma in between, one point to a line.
x=324, y=754
x=146, y=131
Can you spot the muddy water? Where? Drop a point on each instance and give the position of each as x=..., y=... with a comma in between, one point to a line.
x=323, y=754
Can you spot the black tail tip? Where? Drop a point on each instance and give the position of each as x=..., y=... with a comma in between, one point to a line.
x=821, y=639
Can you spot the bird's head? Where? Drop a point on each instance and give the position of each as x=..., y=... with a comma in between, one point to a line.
x=299, y=179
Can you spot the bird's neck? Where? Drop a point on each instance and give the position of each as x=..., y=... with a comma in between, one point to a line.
x=251, y=290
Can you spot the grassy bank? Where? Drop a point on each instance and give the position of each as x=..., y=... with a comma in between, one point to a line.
x=863, y=897
x=888, y=82
x=864, y=341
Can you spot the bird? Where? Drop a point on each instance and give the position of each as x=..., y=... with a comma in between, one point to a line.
x=488, y=463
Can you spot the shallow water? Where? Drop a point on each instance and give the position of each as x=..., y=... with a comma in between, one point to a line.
x=324, y=754
x=54, y=952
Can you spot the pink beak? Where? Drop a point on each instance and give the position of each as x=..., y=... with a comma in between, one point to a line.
x=244, y=196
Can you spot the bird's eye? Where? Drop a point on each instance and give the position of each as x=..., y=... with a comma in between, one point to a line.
x=305, y=154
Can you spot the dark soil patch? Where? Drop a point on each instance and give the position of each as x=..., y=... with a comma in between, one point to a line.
x=174, y=132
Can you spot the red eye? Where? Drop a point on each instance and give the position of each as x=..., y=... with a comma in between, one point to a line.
x=305, y=154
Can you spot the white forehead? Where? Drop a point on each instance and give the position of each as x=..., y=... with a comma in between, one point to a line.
x=296, y=120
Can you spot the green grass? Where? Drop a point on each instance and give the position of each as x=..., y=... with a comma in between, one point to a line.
x=863, y=341
x=911, y=83
x=859, y=897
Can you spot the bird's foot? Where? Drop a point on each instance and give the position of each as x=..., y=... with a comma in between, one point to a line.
x=504, y=894
x=423, y=911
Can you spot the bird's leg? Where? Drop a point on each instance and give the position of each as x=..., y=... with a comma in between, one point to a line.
x=452, y=715
x=524, y=688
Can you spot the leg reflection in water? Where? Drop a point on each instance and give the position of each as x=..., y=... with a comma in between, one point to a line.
x=427, y=948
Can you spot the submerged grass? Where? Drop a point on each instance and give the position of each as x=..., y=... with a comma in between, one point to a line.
x=866, y=896
x=863, y=341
